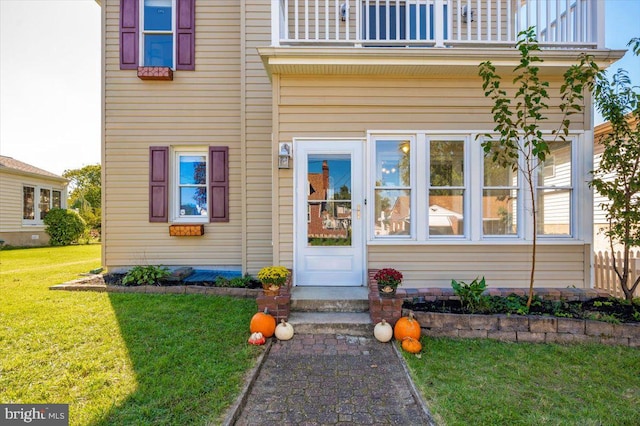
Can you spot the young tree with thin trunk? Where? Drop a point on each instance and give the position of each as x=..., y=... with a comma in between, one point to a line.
x=520, y=142
x=619, y=103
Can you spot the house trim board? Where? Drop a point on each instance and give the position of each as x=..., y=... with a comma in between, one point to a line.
x=243, y=136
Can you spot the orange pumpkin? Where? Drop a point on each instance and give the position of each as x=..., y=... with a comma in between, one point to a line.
x=264, y=323
x=411, y=345
x=407, y=327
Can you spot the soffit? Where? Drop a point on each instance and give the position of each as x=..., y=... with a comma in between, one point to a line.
x=414, y=61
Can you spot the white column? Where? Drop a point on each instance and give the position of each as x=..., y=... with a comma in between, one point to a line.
x=438, y=23
x=598, y=22
x=275, y=23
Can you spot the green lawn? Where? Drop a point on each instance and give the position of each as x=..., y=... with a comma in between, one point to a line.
x=116, y=358
x=121, y=359
x=484, y=382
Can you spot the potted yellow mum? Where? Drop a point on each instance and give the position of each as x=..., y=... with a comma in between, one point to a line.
x=272, y=278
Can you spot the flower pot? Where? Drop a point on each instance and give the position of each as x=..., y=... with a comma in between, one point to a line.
x=387, y=291
x=270, y=289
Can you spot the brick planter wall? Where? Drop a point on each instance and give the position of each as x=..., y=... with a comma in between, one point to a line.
x=510, y=328
x=279, y=306
x=387, y=308
x=533, y=329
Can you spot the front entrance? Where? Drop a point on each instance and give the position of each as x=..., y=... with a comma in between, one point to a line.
x=329, y=213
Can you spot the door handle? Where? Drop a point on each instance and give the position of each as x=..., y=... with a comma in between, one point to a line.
x=358, y=212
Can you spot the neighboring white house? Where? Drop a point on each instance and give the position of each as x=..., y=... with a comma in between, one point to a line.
x=600, y=224
x=27, y=193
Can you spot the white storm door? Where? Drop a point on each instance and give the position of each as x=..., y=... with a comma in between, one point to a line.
x=329, y=213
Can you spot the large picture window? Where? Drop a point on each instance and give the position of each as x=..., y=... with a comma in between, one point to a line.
x=443, y=186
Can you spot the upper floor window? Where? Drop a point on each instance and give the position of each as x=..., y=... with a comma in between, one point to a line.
x=158, y=33
x=37, y=201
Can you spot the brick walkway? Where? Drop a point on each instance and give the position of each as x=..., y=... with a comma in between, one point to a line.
x=329, y=379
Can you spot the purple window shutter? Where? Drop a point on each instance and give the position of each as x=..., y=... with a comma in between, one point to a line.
x=186, y=35
x=158, y=183
x=129, y=34
x=219, y=184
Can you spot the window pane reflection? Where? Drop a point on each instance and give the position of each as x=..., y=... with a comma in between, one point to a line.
x=499, y=211
x=393, y=212
x=45, y=200
x=446, y=208
x=329, y=212
x=28, y=211
x=554, y=212
x=447, y=163
x=392, y=163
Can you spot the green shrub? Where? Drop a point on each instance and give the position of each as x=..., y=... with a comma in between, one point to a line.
x=63, y=226
x=470, y=294
x=145, y=275
x=236, y=282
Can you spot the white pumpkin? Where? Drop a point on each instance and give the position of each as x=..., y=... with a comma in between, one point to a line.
x=383, y=331
x=284, y=330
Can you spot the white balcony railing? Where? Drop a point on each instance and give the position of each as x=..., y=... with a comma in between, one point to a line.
x=437, y=23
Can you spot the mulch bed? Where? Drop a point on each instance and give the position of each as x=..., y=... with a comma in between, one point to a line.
x=601, y=309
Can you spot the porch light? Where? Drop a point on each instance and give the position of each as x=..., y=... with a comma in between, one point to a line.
x=405, y=147
x=284, y=155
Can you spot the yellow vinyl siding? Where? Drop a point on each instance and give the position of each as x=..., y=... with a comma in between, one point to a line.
x=501, y=265
x=198, y=108
x=347, y=106
x=257, y=133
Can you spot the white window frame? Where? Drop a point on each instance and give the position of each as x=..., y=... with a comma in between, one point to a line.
x=412, y=185
x=474, y=185
x=159, y=32
x=521, y=200
x=37, y=189
x=466, y=215
x=175, y=184
x=573, y=219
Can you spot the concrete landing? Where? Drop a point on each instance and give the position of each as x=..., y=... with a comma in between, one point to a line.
x=329, y=299
x=349, y=323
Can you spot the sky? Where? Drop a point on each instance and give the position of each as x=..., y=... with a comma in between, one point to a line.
x=50, y=77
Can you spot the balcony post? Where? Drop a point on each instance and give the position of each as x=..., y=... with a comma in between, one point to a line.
x=598, y=22
x=275, y=23
x=438, y=23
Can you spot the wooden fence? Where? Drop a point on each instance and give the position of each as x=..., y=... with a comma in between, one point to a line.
x=606, y=277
